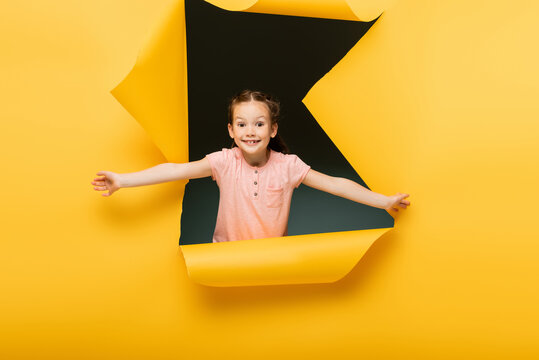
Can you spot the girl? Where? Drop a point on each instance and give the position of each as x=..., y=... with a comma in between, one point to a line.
x=256, y=177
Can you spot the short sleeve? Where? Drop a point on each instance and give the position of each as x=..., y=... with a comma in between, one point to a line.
x=297, y=170
x=219, y=161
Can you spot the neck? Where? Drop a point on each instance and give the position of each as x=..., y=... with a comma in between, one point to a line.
x=257, y=160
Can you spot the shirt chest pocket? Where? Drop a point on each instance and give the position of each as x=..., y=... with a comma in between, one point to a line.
x=274, y=197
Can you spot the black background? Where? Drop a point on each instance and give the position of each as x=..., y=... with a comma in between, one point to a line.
x=284, y=56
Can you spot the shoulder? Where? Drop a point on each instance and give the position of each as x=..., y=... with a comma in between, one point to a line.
x=224, y=153
x=291, y=162
x=223, y=162
x=289, y=159
x=283, y=158
x=223, y=157
x=294, y=168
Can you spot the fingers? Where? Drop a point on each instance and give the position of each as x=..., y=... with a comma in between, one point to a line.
x=399, y=202
x=103, y=175
x=100, y=183
x=109, y=193
x=403, y=203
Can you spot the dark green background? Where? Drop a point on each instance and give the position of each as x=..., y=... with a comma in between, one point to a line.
x=285, y=56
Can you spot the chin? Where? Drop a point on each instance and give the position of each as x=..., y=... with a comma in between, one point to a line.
x=254, y=150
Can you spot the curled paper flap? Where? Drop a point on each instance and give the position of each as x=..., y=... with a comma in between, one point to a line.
x=327, y=9
x=155, y=94
x=155, y=91
x=301, y=259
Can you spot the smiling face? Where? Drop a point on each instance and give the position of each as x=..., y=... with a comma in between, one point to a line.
x=252, y=129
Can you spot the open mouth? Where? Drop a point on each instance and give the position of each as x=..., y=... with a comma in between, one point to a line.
x=251, y=142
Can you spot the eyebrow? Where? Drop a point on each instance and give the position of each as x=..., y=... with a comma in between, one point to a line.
x=261, y=116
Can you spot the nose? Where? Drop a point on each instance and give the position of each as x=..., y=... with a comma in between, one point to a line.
x=251, y=130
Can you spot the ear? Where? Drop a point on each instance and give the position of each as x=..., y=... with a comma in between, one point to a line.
x=274, y=130
x=230, y=132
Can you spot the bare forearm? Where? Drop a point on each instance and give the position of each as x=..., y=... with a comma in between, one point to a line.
x=154, y=175
x=353, y=191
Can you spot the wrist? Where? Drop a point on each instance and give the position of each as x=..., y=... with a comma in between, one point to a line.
x=122, y=181
x=388, y=202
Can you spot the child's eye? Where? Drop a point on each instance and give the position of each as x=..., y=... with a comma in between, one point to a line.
x=241, y=125
x=260, y=124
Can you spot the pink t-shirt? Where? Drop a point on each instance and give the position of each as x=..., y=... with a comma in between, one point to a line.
x=254, y=201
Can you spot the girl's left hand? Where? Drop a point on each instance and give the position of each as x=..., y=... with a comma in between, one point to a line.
x=398, y=201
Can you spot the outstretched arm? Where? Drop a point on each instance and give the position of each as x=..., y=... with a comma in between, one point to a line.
x=158, y=174
x=351, y=190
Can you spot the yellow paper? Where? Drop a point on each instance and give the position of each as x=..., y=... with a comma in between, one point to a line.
x=150, y=92
x=328, y=9
x=286, y=260
x=155, y=91
x=439, y=99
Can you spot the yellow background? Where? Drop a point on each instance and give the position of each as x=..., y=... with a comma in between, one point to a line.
x=450, y=116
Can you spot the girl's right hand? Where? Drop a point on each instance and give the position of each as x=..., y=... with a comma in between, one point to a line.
x=108, y=181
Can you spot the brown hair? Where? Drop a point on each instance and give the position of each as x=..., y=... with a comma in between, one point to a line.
x=274, y=108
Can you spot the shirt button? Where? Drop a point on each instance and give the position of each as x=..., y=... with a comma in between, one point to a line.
x=256, y=194
x=256, y=183
x=256, y=171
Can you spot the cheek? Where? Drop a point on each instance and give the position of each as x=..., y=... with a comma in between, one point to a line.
x=266, y=133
